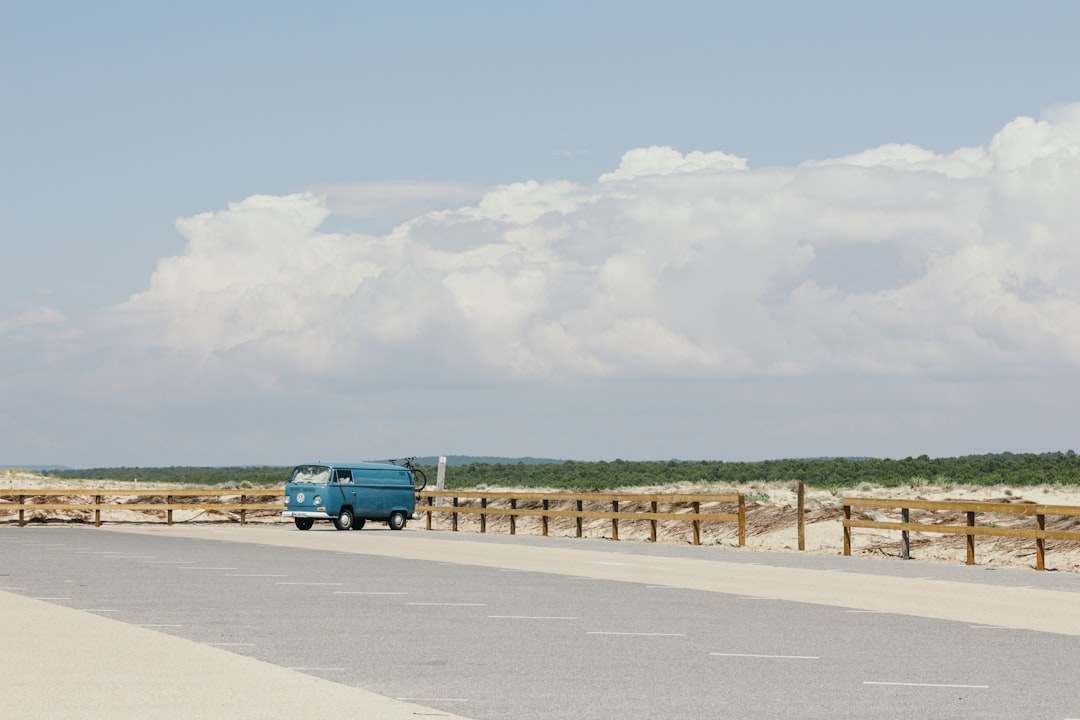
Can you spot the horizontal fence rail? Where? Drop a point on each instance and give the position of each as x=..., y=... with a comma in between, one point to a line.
x=971, y=510
x=581, y=506
x=229, y=500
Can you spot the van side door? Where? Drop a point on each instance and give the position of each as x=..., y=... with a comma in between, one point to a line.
x=344, y=479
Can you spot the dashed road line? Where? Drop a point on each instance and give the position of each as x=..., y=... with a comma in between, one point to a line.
x=368, y=592
x=637, y=634
x=926, y=685
x=337, y=584
x=771, y=657
x=530, y=617
x=447, y=604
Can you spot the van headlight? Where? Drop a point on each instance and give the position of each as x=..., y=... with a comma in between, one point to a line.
x=317, y=500
x=286, y=499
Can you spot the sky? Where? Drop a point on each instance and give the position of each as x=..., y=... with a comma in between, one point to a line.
x=242, y=233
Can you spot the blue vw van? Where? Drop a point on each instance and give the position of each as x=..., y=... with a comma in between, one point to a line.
x=350, y=493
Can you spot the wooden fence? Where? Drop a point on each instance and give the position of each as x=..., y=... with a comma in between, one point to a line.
x=1039, y=533
x=624, y=506
x=154, y=500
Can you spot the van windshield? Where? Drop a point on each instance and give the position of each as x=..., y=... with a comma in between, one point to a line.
x=311, y=475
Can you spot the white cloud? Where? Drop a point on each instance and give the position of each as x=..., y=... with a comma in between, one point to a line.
x=32, y=317
x=895, y=261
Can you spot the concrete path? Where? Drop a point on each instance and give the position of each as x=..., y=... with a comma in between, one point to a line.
x=1015, y=607
x=59, y=662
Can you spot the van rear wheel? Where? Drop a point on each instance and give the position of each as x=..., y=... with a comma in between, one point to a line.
x=344, y=520
x=397, y=520
x=358, y=524
x=303, y=523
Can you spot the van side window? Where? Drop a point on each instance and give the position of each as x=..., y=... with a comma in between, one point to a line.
x=344, y=476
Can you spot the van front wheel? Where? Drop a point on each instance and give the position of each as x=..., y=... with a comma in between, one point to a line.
x=344, y=519
x=397, y=520
x=303, y=523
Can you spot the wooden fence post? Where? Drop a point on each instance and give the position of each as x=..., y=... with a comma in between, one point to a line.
x=513, y=518
x=971, y=539
x=905, y=536
x=579, y=518
x=22, y=517
x=483, y=516
x=453, y=516
x=742, y=520
x=652, y=523
x=243, y=512
x=847, y=530
x=802, y=515
x=544, y=520
x=97, y=511
x=614, y=520
x=1040, y=544
x=697, y=523
x=430, y=503
x=168, y=509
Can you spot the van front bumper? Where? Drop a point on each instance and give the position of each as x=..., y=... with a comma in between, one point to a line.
x=306, y=514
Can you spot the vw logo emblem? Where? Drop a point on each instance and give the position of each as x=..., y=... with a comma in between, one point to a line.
x=299, y=497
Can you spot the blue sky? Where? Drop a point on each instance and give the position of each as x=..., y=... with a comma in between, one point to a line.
x=259, y=232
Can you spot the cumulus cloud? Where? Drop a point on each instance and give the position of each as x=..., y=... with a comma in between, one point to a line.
x=894, y=261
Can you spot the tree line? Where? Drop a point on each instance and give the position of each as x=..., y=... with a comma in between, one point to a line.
x=1053, y=468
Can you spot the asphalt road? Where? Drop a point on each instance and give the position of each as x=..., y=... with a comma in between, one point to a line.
x=602, y=630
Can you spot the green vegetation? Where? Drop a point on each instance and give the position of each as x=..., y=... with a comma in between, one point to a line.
x=227, y=476
x=1055, y=468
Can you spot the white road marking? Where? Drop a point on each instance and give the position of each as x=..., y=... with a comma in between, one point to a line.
x=638, y=634
x=368, y=592
x=309, y=583
x=928, y=685
x=253, y=575
x=13, y=588
x=208, y=568
x=991, y=627
x=776, y=657
x=864, y=612
x=430, y=699
x=606, y=562
x=531, y=617
x=440, y=604
x=52, y=598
